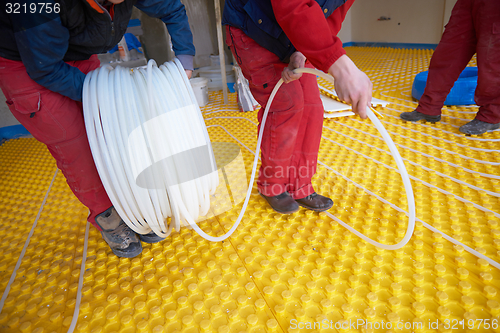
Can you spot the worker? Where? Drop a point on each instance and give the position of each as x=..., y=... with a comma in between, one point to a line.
x=45, y=51
x=474, y=27
x=269, y=39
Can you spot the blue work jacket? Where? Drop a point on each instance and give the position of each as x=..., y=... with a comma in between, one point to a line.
x=43, y=41
x=256, y=19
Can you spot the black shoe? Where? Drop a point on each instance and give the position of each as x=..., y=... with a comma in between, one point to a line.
x=150, y=238
x=122, y=240
x=316, y=202
x=416, y=116
x=282, y=203
x=478, y=127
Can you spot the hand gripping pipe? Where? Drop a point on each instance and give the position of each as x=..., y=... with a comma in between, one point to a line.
x=159, y=117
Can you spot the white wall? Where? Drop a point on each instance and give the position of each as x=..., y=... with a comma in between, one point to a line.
x=447, y=11
x=345, y=34
x=410, y=21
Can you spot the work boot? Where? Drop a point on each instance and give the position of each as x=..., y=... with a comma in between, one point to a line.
x=316, y=202
x=478, y=127
x=416, y=116
x=122, y=240
x=150, y=238
x=282, y=203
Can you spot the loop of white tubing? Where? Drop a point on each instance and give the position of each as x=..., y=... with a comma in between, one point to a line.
x=395, y=154
x=138, y=93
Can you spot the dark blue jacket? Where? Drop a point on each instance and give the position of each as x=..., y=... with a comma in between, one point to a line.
x=44, y=41
x=256, y=19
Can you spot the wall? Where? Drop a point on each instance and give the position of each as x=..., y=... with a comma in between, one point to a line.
x=345, y=34
x=201, y=16
x=6, y=118
x=410, y=21
x=447, y=11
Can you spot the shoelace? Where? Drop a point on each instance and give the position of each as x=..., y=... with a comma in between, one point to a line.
x=122, y=230
x=311, y=196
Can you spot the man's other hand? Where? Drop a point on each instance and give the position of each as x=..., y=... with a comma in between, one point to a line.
x=297, y=60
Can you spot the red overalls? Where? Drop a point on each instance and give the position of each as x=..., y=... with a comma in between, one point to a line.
x=474, y=27
x=57, y=121
x=292, y=133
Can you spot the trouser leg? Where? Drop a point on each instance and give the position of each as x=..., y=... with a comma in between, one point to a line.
x=305, y=154
x=454, y=51
x=486, y=15
x=286, y=136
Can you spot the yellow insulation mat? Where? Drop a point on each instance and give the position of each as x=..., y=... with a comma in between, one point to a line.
x=277, y=273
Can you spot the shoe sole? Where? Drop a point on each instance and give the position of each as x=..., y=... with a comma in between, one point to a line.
x=315, y=209
x=278, y=211
x=426, y=120
x=126, y=254
x=481, y=133
x=150, y=241
x=285, y=212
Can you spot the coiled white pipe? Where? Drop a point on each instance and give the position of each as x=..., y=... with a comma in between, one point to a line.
x=167, y=88
x=119, y=155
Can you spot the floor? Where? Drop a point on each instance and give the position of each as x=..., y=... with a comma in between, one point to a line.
x=277, y=273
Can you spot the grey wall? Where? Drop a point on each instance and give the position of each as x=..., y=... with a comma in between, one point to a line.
x=201, y=14
x=6, y=118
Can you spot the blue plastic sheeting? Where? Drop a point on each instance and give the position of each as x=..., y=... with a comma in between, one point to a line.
x=12, y=132
x=134, y=23
x=132, y=43
x=462, y=92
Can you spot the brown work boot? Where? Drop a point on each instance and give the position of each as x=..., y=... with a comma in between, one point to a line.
x=282, y=203
x=316, y=202
x=122, y=240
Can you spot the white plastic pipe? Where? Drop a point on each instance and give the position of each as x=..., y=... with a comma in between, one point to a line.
x=150, y=101
x=395, y=154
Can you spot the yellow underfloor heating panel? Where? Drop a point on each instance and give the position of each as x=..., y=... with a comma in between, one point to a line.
x=277, y=273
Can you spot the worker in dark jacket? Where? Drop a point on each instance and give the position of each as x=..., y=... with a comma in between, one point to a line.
x=45, y=53
x=269, y=39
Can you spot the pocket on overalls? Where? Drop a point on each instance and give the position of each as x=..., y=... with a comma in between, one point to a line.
x=263, y=76
x=27, y=104
x=29, y=110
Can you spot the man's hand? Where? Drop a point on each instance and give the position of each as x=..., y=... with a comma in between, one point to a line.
x=297, y=60
x=188, y=73
x=352, y=85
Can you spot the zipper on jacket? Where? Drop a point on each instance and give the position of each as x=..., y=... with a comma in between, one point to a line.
x=110, y=19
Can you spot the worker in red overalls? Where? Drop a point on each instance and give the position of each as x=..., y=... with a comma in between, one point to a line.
x=474, y=27
x=269, y=39
x=45, y=53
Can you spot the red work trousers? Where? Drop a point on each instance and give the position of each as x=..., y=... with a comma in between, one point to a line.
x=474, y=27
x=292, y=132
x=57, y=121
